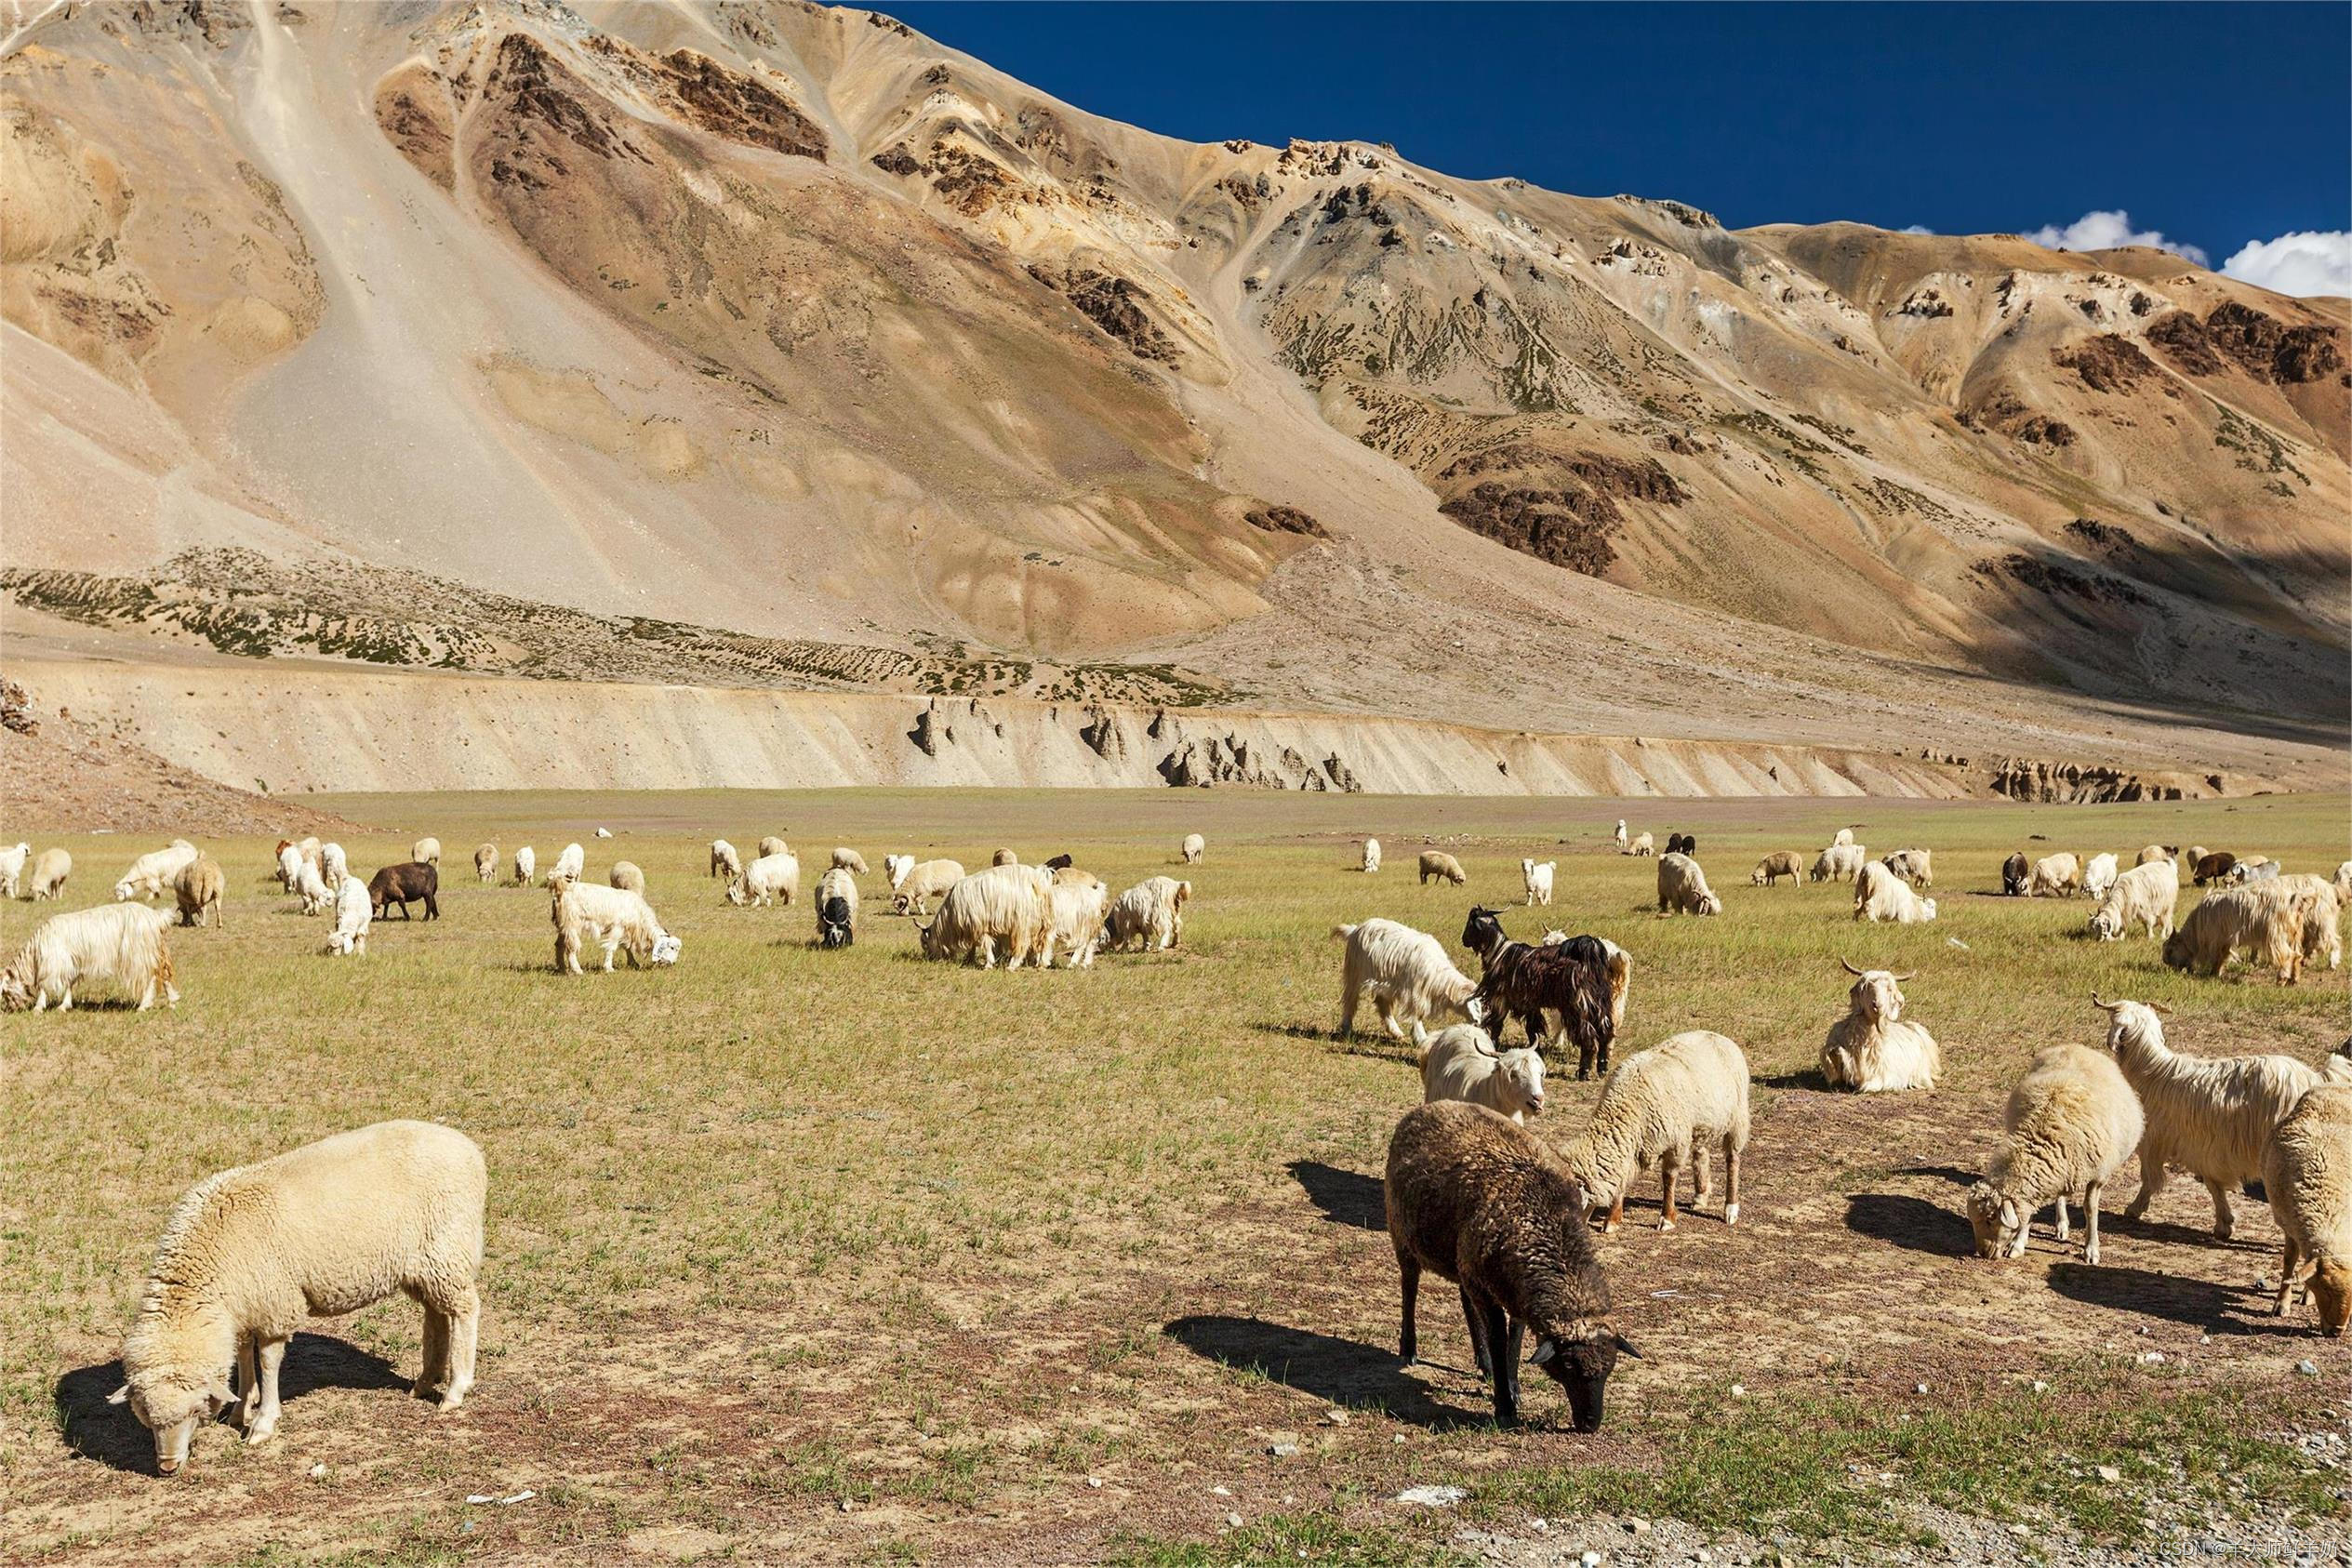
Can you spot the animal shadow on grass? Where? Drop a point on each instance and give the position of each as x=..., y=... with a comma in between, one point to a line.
x=112, y=1435
x=1340, y=1372
x=1804, y=1078
x=1345, y=1197
x=2178, y=1298
x=1911, y=1223
x=1952, y=1174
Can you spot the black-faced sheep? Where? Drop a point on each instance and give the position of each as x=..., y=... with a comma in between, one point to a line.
x=1473, y=1198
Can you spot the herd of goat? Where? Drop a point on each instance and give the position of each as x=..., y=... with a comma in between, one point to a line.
x=1471, y=1194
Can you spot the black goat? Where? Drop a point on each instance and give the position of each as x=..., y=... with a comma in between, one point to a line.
x=1572, y=979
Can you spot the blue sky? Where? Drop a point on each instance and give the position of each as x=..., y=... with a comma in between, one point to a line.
x=2211, y=126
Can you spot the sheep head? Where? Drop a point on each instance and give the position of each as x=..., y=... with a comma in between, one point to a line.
x=2331, y=1292
x=1876, y=993
x=172, y=1404
x=667, y=947
x=1580, y=1359
x=1999, y=1223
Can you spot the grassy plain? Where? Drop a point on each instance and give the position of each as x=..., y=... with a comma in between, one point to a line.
x=843, y=1258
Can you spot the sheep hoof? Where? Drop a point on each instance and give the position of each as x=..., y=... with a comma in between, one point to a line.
x=453, y=1398
x=261, y=1430
x=1731, y=1213
x=1666, y=1225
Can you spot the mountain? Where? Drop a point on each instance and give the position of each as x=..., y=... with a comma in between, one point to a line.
x=777, y=345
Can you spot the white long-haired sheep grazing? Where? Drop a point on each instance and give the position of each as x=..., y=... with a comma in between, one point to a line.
x=567, y=867
x=49, y=874
x=1874, y=1049
x=1536, y=877
x=355, y=911
x=1462, y=1063
x=1914, y=866
x=12, y=868
x=2055, y=876
x=2322, y=915
x=626, y=874
x=1682, y=889
x=1371, y=854
x=486, y=863
x=612, y=918
x=2308, y=1177
x=1438, y=865
x=1661, y=1109
x=2143, y=897
x=526, y=865
x=2099, y=876
x=152, y=873
x=1407, y=972
x=1839, y=862
x=1149, y=915
x=334, y=867
x=2213, y=1116
x=1193, y=848
x=724, y=861
x=117, y=945
x=771, y=845
x=2072, y=1122
x=916, y=886
x=1003, y=912
x=1879, y=895
x=251, y=1255
x=426, y=852
x=2264, y=917
x=1076, y=910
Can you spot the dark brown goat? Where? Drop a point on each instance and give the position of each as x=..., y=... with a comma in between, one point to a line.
x=399, y=884
x=1570, y=978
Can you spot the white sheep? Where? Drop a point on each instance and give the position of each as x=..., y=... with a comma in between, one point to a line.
x=12, y=863
x=1642, y=844
x=1149, y=915
x=1437, y=864
x=312, y=888
x=1682, y=889
x=2099, y=876
x=1620, y=836
x=626, y=874
x=725, y=862
x=2055, y=876
x=1771, y=867
x=1914, y=866
x=2264, y=917
x=603, y=832
x=334, y=866
x=2341, y=882
x=2211, y=1117
x=426, y=852
x=612, y=918
x=1371, y=854
x=1843, y=837
x=1077, y=908
x=200, y=886
x=2152, y=853
x=1879, y=895
x=354, y=911
x=1839, y=862
x=567, y=867
x=2308, y=1177
x=848, y=859
x=2072, y=1123
x=1461, y=1063
x=918, y=884
x=526, y=865
x=2322, y=912
x=251, y=1255
x=1874, y=1049
x=1407, y=971
x=1194, y=847
x=772, y=846
x=1004, y=912
x=120, y=945
x=1537, y=880
x=486, y=863
x=2144, y=897
x=770, y=878
x=152, y=873
x=289, y=866
x=1663, y=1108
x=49, y=874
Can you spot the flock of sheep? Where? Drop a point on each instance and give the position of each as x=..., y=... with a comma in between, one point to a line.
x=1471, y=1194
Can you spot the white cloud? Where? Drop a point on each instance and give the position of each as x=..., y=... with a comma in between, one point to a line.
x=2301, y=263
x=2106, y=231
x=1917, y=229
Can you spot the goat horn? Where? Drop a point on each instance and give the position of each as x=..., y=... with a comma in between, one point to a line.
x=2096, y=1002
x=2159, y=1007
x=1906, y=975
x=1850, y=968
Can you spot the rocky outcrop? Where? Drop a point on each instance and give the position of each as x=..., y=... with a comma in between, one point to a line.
x=2020, y=778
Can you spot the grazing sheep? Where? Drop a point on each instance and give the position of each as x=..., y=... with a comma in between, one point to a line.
x=1004, y=912
x=12, y=868
x=526, y=865
x=848, y=859
x=153, y=873
x=199, y=885
x=2215, y=867
x=771, y=877
x=251, y=1255
x=1574, y=987
x=2342, y=881
x=2145, y=896
x=2254, y=871
x=486, y=863
x=403, y=886
x=1874, y=1049
x=334, y=867
x=1194, y=847
x=895, y=868
x=2308, y=1177
x=1407, y=971
x=1462, y=1063
x=1879, y=895
x=626, y=874
x=1076, y=910
x=918, y=885
x=1682, y=843
x=2099, y=876
x=1371, y=854
x=1914, y=866
x=612, y=918
x=1436, y=863
x=1004, y=858
x=426, y=852
x=2016, y=874
x=1474, y=1198
x=49, y=874
x=2150, y=853
x=2072, y=1123
x=2213, y=1116
x=2055, y=876
x=1537, y=880
x=1642, y=844
x=2265, y=919
x=1663, y=1108
x=2321, y=911
x=121, y=944
x=354, y=911
x=1682, y=887
x=772, y=846
x=1771, y=867
x=312, y=889
x=1151, y=913
x=725, y=862
x=1620, y=836
x=567, y=867
x=837, y=908
x=1843, y=836
x=1839, y=862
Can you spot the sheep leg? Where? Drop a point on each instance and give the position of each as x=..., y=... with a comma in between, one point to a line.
x=271, y=1354
x=1705, y=1178
x=2091, y=1223
x=464, y=1309
x=432, y=1373
x=2223, y=1221
x=2062, y=1229
x=1347, y=1009
x=1617, y=1213
x=2152, y=1176
x=1731, y=1182
x=1510, y=1357
x=1473, y=1316
x=2290, y=1263
x=1505, y=1384
x=1387, y=1003
x=249, y=1383
x=1667, y=1173
x=1409, y=1289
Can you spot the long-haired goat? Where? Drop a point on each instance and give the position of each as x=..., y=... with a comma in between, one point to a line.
x=1572, y=981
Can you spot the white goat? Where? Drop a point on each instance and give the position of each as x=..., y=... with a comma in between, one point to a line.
x=1461, y=1063
x=1537, y=880
x=1879, y=895
x=2145, y=896
x=121, y=944
x=1874, y=1049
x=1407, y=971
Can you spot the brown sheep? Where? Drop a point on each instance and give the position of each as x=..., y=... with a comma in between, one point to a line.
x=197, y=888
x=1772, y=867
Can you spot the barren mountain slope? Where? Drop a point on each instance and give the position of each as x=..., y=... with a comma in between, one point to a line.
x=787, y=322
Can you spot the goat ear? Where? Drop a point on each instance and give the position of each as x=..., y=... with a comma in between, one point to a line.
x=1546, y=1349
x=120, y=1396
x=2008, y=1213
